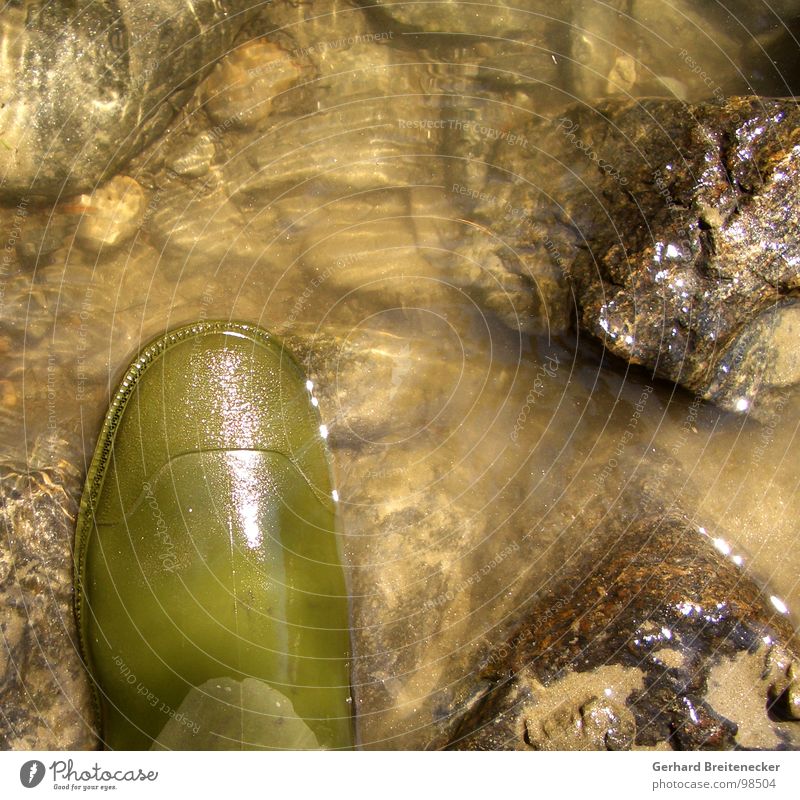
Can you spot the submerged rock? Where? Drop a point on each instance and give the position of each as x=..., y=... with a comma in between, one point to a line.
x=655, y=640
x=684, y=226
x=85, y=85
x=44, y=691
x=590, y=50
x=240, y=90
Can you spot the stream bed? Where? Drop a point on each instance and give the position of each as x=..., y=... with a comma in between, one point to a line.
x=360, y=181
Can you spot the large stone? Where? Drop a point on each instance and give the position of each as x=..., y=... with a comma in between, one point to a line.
x=43, y=687
x=588, y=50
x=655, y=639
x=85, y=85
x=682, y=226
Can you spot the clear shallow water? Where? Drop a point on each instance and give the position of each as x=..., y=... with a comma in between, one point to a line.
x=353, y=185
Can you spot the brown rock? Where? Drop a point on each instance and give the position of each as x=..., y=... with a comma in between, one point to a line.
x=626, y=645
x=687, y=221
x=44, y=690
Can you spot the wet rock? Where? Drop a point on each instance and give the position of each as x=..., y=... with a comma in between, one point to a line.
x=576, y=717
x=86, y=84
x=111, y=215
x=198, y=211
x=655, y=639
x=702, y=40
x=787, y=704
x=762, y=363
x=336, y=49
x=241, y=89
x=522, y=289
x=449, y=16
x=42, y=235
x=362, y=147
x=689, y=219
x=192, y=157
x=500, y=46
x=43, y=687
x=737, y=687
x=589, y=50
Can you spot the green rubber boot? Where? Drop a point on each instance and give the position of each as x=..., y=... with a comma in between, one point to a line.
x=210, y=594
